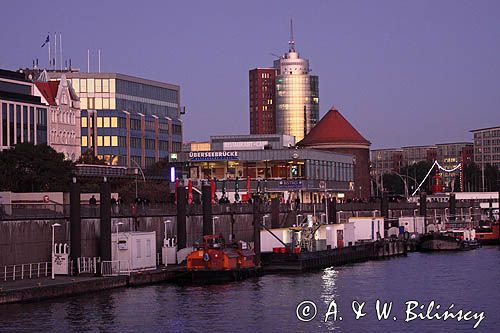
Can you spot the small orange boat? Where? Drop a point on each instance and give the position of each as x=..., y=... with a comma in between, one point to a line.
x=488, y=235
x=215, y=261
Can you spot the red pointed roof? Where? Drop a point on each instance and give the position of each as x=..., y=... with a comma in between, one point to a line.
x=333, y=128
x=48, y=90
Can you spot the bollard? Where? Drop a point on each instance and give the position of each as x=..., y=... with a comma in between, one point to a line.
x=181, y=217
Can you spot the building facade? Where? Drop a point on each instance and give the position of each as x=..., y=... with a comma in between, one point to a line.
x=297, y=95
x=284, y=99
x=63, y=121
x=126, y=120
x=23, y=115
x=262, y=88
x=487, y=146
x=251, y=142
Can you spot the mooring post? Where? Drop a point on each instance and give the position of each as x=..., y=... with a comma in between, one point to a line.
x=181, y=217
x=332, y=210
x=206, y=198
x=423, y=209
x=105, y=225
x=256, y=232
x=75, y=221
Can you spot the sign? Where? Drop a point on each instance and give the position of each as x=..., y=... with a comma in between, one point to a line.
x=244, y=145
x=290, y=184
x=322, y=185
x=213, y=155
x=172, y=174
x=173, y=156
x=60, y=263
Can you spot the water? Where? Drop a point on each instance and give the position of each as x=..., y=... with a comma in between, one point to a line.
x=470, y=280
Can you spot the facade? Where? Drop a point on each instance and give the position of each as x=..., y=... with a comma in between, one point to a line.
x=449, y=155
x=278, y=172
x=297, y=95
x=386, y=160
x=63, y=121
x=23, y=116
x=126, y=120
x=487, y=146
x=335, y=134
x=284, y=99
x=262, y=88
x=251, y=142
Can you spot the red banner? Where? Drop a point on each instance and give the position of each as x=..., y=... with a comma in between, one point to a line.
x=248, y=185
x=190, y=192
x=212, y=187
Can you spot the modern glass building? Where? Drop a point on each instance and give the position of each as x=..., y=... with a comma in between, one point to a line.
x=297, y=95
x=126, y=120
x=23, y=116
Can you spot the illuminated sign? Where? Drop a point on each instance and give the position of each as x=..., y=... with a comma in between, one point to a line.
x=245, y=145
x=173, y=156
x=290, y=184
x=172, y=174
x=213, y=155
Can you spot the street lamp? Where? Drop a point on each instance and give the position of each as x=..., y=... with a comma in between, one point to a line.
x=53, y=236
x=338, y=216
x=264, y=219
x=321, y=218
x=117, y=225
x=165, y=238
x=297, y=219
x=213, y=223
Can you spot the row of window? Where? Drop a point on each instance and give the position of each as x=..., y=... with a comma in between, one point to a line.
x=102, y=141
x=63, y=117
x=18, y=124
x=101, y=122
x=93, y=85
x=97, y=103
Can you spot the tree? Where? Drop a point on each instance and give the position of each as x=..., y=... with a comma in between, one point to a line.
x=88, y=157
x=30, y=168
x=418, y=171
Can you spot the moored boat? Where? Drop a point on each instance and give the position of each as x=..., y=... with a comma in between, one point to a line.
x=215, y=261
x=449, y=241
x=488, y=235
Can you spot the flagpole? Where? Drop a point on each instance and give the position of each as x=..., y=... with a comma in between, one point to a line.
x=49, y=51
x=55, y=50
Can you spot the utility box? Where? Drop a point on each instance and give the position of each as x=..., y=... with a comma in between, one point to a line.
x=169, y=251
x=337, y=235
x=134, y=250
x=367, y=228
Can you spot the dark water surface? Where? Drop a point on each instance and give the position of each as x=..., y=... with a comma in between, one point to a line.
x=470, y=280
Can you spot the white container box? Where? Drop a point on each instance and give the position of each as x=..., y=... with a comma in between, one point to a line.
x=135, y=249
x=367, y=228
x=268, y=241
x=412, y=224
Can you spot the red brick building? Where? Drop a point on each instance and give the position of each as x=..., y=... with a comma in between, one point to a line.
x=262, y=96
x=334, y=133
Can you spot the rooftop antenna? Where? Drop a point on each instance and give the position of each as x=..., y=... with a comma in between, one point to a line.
x=60, y=52
x=88, y=60
x=291, y=42
x=99, y=60
x=275, y=55
x=55, y=50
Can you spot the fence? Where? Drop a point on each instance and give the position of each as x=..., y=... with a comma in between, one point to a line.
x=87, y=265
x=115, y=267
x=25, y=271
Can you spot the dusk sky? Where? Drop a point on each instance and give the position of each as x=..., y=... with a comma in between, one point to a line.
x=403, y=73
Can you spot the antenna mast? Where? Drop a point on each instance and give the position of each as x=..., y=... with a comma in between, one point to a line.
x=291, y=42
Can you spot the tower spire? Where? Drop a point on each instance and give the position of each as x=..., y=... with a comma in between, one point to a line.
x=291, y=42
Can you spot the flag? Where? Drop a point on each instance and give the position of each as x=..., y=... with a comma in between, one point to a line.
x=46, y=41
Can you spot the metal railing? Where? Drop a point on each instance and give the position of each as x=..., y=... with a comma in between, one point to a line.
x=87, y=265
x=115, y=267
x=25, y=271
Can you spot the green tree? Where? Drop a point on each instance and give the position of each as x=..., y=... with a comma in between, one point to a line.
x=88, y=157
x=30, y=168
x=418, y=171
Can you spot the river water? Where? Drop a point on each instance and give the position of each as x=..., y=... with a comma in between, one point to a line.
x=469, y=280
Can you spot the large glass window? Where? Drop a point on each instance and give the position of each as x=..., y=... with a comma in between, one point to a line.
x=107, y=141
x=111, y=85
x=90, y=85
x=114, y=122
x=99, y=121
x=99, y=140
x=76, y=85
x=98, y=103
x=105, y=85
x=11, y=125
x=84, y=121
x=105, y=103
x=25, y=123
x=114, y=141
x=83, y=103
x=112, y=103
x=4, y=125
x=105, y=122
x=98, y=85
x=18, y=123
x=84, y=141
x=83, y=85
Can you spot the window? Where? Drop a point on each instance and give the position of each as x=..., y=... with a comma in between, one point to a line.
x=75, y=83
x=105, y=85
x=105, y=122
x=112, y=85
x=91, y=104
x=138, y=247
x=90, y=85
x=98, y=103
x=84, y=121
x=83, y=85
x=99, y=122
x=105, y=103
x=114, y=141
x=114, y=122
x=99, y=140
x=107, y=141
x=148, y=247
x=83, y=103
x=98, y=85
x=112, y=103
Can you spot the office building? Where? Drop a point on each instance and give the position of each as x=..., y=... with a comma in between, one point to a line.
x=251, y=142
x=23, y=115
x=262, y=102
x=284, y=99
x=127, y=120
x=487, y=146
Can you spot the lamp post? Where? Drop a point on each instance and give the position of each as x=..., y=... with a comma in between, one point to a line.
x=213, y=223
x=338, y=216
x=165, y=224
x=321, y=219
x=264, y=219
x=117, y=225
x=53, y=243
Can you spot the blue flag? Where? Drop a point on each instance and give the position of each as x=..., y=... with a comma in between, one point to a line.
x=46, y=41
